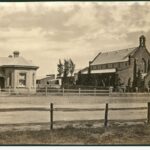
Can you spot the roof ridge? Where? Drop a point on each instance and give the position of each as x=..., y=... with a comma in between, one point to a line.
x=118, y=50
x=131, y=53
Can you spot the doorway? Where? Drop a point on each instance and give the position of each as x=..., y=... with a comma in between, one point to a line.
x=2, y=82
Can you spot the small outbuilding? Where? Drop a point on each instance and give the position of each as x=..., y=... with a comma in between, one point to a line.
x=17, y=74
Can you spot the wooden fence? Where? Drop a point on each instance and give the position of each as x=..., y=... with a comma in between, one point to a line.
x=79, y=92
x=106, y=114
x=76, y=92
x=106, y=110
x=88, y=92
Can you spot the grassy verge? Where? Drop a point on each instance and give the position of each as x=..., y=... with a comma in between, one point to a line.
x=127, y=134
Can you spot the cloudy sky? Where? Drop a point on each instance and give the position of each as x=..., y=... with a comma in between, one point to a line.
x=47, y=31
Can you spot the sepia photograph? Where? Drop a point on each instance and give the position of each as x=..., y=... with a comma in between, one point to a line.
x=75, y=73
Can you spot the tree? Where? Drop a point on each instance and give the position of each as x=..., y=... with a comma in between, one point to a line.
x=148, y=65
x=117, y=81
x=129, y=84
x=89, y=77
x=149, y=84
x=79, y=81
x=60, y=68
x=72, y=67
x=66, y=67
x=66, y=70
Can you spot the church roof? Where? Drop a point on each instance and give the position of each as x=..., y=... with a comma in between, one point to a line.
x=16, y=62
x=113, y=56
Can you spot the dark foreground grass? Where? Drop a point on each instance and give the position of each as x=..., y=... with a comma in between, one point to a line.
x=129, y=134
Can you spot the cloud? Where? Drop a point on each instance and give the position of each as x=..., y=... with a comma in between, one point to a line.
x=133, y=37
x=49, y=31
x=41, y=16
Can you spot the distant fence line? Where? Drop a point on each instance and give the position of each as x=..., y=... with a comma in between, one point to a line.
x=47, y=91
x=88, y=92
x=77, y=92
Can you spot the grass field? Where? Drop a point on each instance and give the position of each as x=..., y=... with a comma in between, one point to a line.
x=131, y=134
x=25, y=120
x=15, y=110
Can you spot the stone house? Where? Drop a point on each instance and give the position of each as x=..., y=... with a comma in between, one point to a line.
x=17, y=74
x=106, y=66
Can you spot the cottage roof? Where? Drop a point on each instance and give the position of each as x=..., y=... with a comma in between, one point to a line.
x=16, y=62
x=113, y=56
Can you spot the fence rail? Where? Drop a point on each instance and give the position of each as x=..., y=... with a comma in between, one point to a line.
x=77, y=92
x=93, y=92
x=105, y=113
x=67, y=109
x=89, y=92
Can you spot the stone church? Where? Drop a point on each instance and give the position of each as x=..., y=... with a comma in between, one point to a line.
x=17, y=74
x=106, y=66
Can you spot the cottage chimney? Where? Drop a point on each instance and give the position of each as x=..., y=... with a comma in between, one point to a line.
x=142, y=41
x=16, y=54
x=10, y=56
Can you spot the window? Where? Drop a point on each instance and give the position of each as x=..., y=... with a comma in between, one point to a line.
x=22, y=79
x=112, y=65
x=9, y=79
x=33, y=79
x=103, y=66
x=144, y=65
x=106, y=66
x=94, y=67
x=99, y=67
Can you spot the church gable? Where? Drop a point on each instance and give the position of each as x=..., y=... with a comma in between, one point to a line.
x=142, y=56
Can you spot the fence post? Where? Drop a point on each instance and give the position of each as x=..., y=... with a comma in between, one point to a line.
x=79, y=91
x=51, y=116
x=9, y=90
x=137, y=89
x=106, y=116
x=148, y=112
x=110, y=90
x=46, y=90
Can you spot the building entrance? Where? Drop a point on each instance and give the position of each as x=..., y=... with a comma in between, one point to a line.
x=2, y=82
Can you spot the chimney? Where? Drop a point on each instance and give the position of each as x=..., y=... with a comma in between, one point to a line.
x=10, y=56
x=16, y=54
x=142, y=41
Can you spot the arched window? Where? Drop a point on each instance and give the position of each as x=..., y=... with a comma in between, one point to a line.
x=144, y=70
